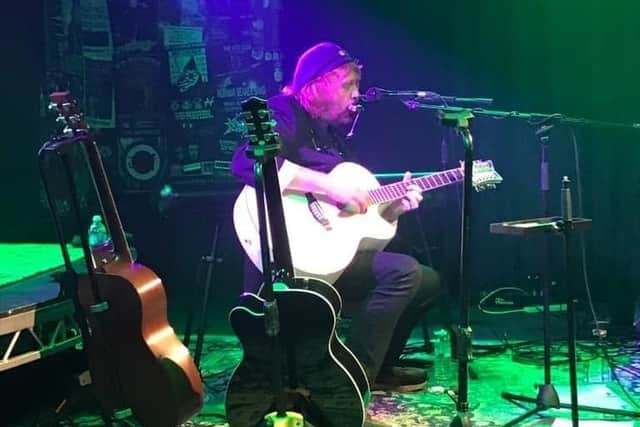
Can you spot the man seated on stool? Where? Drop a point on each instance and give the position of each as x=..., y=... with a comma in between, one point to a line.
x=390, y=291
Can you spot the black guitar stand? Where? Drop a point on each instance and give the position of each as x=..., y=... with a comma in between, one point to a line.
x=564, y=226
x=75, y=135
x=62, y=149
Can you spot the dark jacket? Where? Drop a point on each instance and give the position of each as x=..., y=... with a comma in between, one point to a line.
x=305, y=141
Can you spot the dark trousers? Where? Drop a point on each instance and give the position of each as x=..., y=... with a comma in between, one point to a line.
x=385, y=294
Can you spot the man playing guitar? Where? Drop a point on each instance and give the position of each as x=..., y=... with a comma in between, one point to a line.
x=388, y=292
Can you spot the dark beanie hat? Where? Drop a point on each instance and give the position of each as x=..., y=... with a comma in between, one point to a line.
x=316, y=61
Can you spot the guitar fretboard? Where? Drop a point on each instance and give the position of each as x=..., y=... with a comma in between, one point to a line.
x=397, y=190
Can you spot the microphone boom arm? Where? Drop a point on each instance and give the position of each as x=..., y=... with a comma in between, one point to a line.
x=532, y=118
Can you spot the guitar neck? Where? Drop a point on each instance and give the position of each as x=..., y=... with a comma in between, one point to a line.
x=397, y=190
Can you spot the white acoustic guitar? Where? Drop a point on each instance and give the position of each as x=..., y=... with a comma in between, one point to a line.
x=324, y=238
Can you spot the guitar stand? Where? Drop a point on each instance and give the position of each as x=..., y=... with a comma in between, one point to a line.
x=547, y=396
x=70, y=286
x=277, y=266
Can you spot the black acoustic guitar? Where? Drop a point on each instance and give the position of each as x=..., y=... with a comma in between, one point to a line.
x=323, y=380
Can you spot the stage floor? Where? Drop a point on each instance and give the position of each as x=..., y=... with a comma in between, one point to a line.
x=20, y=261
x=495, y=365
x=496, y=373
x=36, y=320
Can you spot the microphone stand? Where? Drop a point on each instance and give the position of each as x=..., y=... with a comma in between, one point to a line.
x=547, y=395
x=460, y=121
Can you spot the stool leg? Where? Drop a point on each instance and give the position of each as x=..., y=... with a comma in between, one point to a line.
x=428, y=345
x=205, y=297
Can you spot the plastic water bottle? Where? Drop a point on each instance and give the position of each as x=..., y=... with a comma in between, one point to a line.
x=99, y=241
x=598, y=371
x=442, y=363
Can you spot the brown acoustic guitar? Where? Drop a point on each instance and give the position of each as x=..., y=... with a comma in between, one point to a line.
x=136, y=361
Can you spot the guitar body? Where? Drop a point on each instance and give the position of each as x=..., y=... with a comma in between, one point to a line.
x=320, y=250
x=326, y=382
x=136, y=360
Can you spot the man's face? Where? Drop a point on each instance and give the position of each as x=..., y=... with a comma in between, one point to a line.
x=344, y=91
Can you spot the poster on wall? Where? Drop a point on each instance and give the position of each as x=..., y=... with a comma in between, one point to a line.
x=97, y=50
x=134, y=25
x=99, y=93
x=219, y=53
x=64, y=63
x=191, y=98
x=244, y=44
x=191, y=101
x=57, y=25
x=97, y=43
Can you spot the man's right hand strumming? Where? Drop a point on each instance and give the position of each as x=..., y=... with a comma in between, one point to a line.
x=348, y=197
x=344, y=195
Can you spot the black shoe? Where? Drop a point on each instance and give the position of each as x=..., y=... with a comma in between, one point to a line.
x=400, y=379
x=415, y=363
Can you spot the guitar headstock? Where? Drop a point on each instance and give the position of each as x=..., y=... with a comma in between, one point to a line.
x=484, y=175
x=263, y=140
x=70, y=119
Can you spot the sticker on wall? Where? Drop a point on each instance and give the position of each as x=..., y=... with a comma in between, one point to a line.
x=192, y=109
x=188, y=68
x=231, y=93
x=141, y=155
x=178, y=36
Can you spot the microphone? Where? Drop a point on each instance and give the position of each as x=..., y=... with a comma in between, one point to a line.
x=356, y=109
x=565, y=200
x=375, y=94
